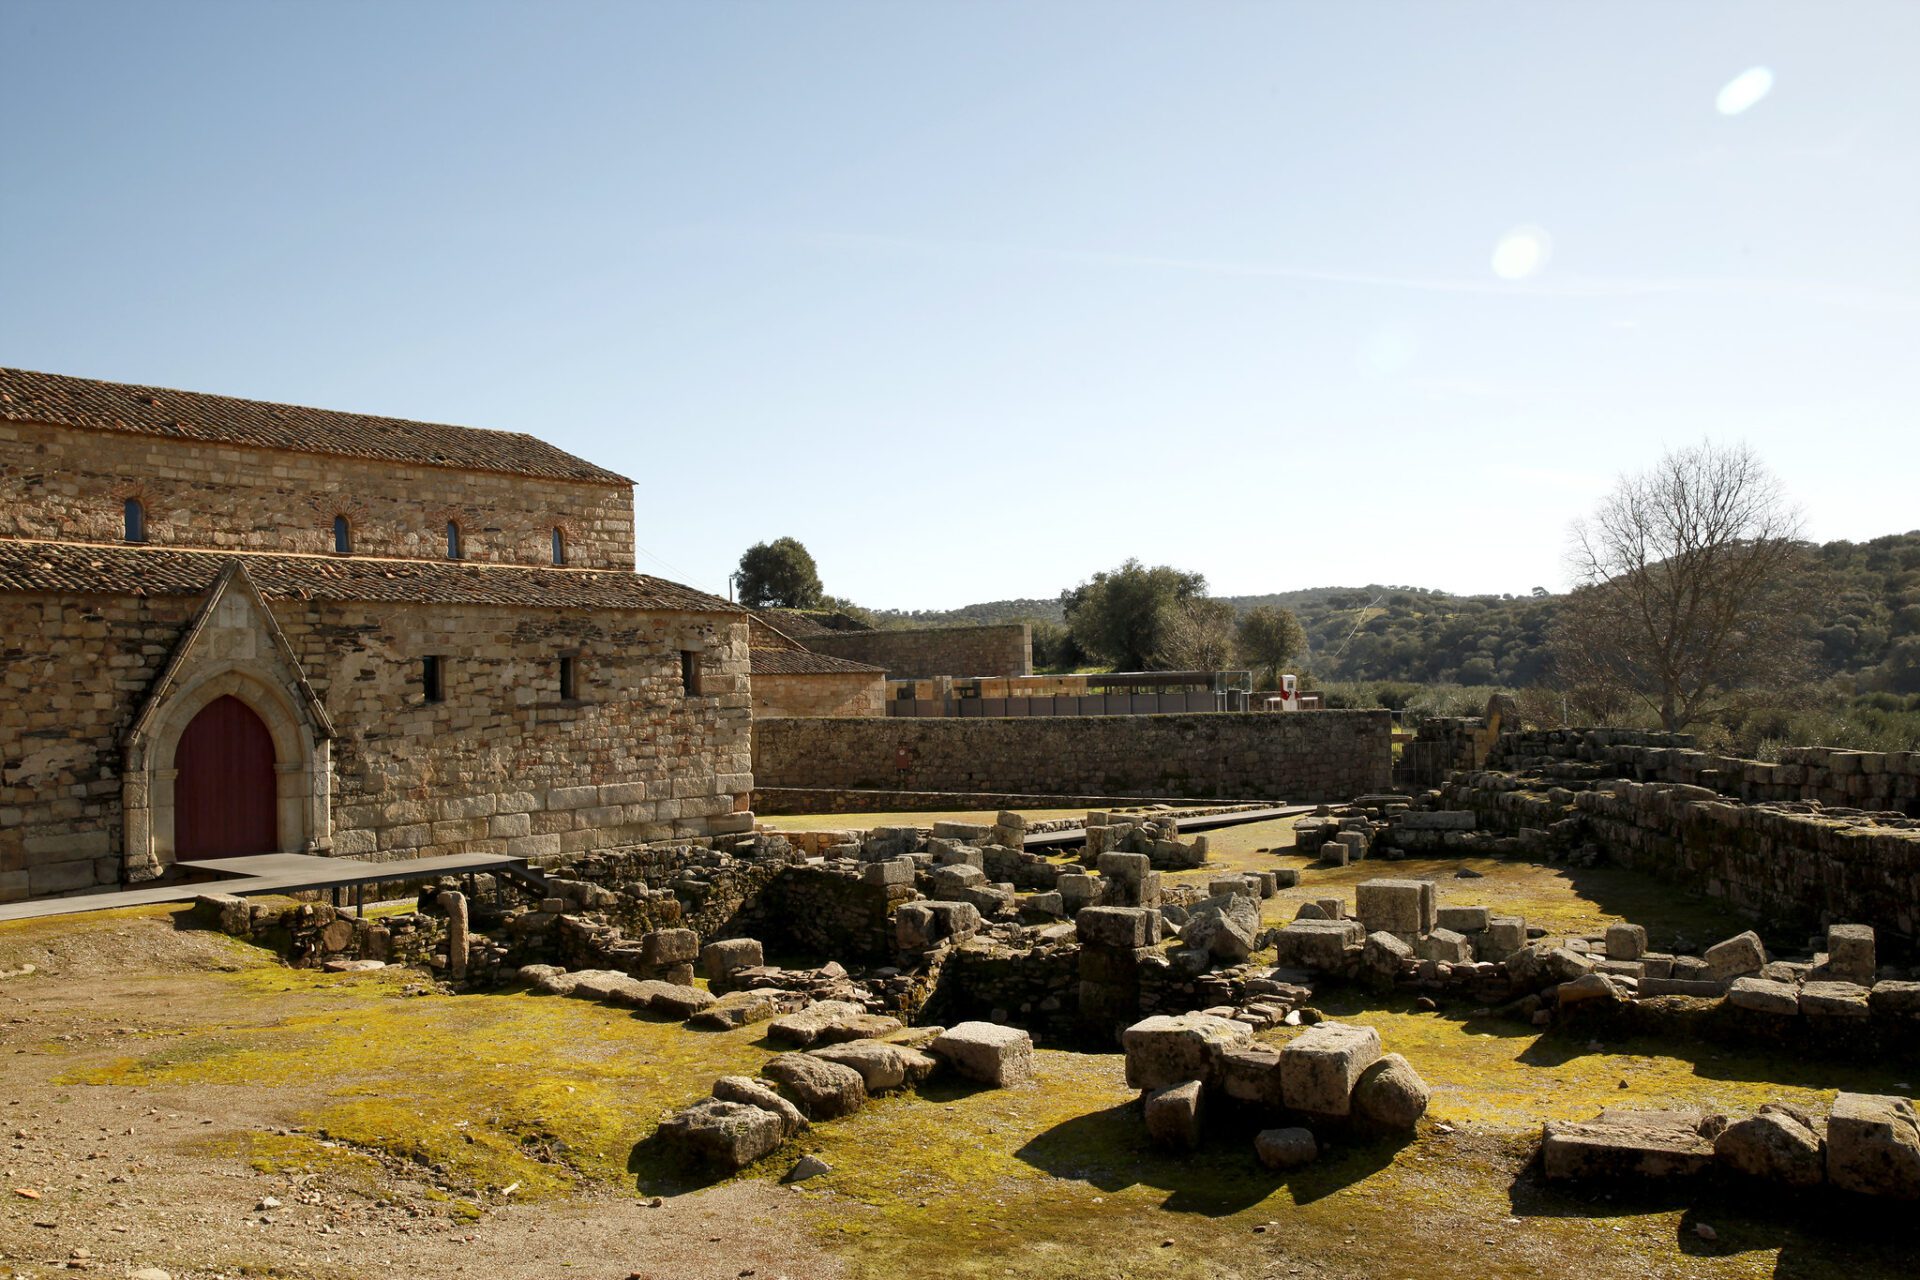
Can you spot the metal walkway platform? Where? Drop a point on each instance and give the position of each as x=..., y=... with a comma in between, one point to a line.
x=1199, y=822
x=276, y=873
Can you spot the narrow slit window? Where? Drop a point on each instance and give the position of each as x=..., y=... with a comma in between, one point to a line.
x=559, y=546
x=432, y=674
x=342, y=535
x=453, y=540
x=690, y=672
x=567, y=687
x=136, y=520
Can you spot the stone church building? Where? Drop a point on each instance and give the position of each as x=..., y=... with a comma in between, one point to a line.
x=231, y=627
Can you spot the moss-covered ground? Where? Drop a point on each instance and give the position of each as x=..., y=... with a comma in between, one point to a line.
x=556, y=1098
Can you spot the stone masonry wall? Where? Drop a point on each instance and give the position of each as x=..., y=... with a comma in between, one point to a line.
x=502, y=765
x=820, y=694
x=1882, y=780
x=64, y=484
x=1004, y=649
x=1306, y=756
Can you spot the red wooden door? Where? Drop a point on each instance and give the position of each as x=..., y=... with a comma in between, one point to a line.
x=224, y=802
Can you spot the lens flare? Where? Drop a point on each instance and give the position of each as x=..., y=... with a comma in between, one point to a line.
x=1744, y=90
x=1521, y=253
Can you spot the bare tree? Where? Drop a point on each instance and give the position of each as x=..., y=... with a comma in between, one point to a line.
x=1690, y=585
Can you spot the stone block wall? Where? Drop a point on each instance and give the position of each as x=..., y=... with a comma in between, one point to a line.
x=71, y=485
x=1305, y=756
x=1002, y=649
x=503, y=765
x=820, y=694
x=1872, y=780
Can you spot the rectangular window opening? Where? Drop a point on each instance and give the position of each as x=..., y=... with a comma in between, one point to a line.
x=690, y=672
x=566, y=680
x=430, y=679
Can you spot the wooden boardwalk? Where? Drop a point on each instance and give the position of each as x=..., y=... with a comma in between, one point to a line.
x=275, y=873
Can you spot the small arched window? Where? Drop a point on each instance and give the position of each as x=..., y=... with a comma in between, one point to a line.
x=559, y=546
x=136, y=520
x=342, y=535
x=453, y=539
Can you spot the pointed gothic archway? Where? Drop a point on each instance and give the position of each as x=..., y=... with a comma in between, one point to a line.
x=225, y=796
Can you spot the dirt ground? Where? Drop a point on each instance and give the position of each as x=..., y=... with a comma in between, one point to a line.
x=177, y=1100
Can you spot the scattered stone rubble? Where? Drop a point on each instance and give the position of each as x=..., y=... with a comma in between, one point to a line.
x=1329, y=1077
x=1867, y=1144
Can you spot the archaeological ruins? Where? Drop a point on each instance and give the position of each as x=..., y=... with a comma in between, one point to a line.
x=233, y=630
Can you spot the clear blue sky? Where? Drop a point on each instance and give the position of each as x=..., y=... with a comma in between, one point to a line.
x=975, y=299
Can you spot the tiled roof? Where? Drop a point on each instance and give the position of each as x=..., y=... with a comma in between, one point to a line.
x=80, y=569
x=26, y=396
x=801, y=662
x=795, y=622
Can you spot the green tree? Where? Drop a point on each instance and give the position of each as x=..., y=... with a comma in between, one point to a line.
x=779, y=575
x=1123, y=616
x=1271, y=638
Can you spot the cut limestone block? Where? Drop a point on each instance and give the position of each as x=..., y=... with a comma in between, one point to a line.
x=1873, y=1146
x=1781, y=1145
x=1319, y=1068
x=1125, y=927
x=1385, y=957
x=739, y=1009
x=892, y=872
x=1834, y=1000
x=1226, y=926
x=1130, y=867
x=1169, y=1048
x=881, y=1066
x=822, y=1090
x=755, y=1094
x=806, y=1027
x=1850, y=953
x=1319, y=945
x=1763, y=996
x=1285, y=1148
x=1390, y=1096
x=1446, y=946
x=661, y=948
x=1250, y=1072
x=724, y=1135
x=1463, y=919
x=1173, y=1115
x=719, y=960
x=1395, y=906
x=1888, y=997
x=1505, y=935
x=1630, y=1144
x=1737, y=957
x=1626, y=941
x=987, y=1053
x=919, y=926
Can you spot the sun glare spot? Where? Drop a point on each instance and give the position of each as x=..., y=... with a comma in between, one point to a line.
x=1744, y=90
x=1521, y=252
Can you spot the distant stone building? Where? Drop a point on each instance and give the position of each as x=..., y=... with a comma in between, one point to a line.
x=230, y=627
x=791, y=680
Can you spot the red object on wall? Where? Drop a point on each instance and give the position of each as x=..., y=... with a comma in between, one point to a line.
x=224, y=797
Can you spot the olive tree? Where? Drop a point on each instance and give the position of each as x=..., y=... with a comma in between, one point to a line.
x=779, y=575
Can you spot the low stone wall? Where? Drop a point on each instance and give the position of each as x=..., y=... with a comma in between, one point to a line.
x=1307, y=755
x=820, y=693
x=793, y=800
x=1873, y=780
x=1794, y=866
x=1002, y=649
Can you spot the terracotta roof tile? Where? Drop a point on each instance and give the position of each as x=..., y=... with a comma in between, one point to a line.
x=80, y=569
x=801, y=662
x=26, y=396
